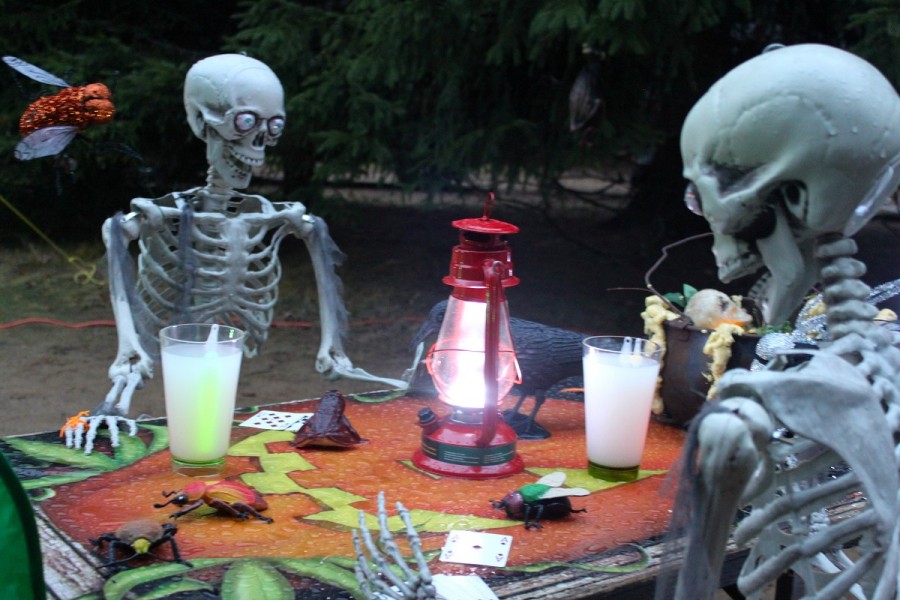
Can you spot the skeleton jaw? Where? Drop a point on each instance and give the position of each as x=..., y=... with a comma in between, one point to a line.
x=233, y=167
x=239, y=167
x=734, y=258
x=789, y=262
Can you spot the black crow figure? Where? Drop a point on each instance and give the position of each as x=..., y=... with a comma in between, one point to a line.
x=546, y=356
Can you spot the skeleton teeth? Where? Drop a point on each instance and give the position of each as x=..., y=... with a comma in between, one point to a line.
x=739, y=266
x=247, y=160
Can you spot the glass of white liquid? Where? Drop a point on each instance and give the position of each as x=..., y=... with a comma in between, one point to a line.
x=200, y=365
x=619, y=382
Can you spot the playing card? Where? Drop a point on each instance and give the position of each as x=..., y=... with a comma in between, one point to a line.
x=462, y=587
x=476, y=548
x=277, y=420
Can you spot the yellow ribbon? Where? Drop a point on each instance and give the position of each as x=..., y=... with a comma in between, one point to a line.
x=85, y=273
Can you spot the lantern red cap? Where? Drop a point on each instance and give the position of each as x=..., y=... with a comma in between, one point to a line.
x=481, y=239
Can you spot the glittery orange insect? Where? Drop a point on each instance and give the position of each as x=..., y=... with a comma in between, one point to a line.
x=51, y=122
x=74, y=422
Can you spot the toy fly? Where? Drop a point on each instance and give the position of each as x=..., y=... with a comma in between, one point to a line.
x=51, y=122
x=542, y=499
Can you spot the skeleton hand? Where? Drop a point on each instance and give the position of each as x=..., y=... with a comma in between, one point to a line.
x=333, y=363
x=126, y=376
x=392, y=578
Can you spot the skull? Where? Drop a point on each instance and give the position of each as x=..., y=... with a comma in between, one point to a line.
x=795, y=143
x=236, y=105
x=711, y=308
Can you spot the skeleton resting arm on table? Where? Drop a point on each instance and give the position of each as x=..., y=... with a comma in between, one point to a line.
x=210, y=254
x=788, y=155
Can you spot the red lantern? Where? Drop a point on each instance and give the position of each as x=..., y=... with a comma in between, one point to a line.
x=473, y=363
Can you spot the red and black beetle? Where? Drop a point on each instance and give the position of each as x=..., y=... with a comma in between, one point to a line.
x=229, y=497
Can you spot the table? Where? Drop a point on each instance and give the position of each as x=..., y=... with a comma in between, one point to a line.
x=314, y=495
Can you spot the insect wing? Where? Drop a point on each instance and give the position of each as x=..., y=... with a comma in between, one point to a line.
x=33, y=72
x=231, y=492
x=45, y=142
x=550, y=484
x=563, y=492
x=554, y=479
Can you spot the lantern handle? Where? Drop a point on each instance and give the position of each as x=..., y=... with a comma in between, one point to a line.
x=493, y=275
x=488, y=209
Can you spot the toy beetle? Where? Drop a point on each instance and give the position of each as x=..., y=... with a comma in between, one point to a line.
x=542, y=499
x=140, y=536
x=229, y=497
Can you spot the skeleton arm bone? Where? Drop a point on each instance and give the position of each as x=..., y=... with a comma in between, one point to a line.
x=132, y=363
x=724, y=459
x=331, y=360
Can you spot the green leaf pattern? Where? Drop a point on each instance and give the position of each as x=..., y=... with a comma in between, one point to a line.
x=261, y=578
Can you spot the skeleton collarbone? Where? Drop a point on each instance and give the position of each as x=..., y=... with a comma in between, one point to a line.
x=231, y=270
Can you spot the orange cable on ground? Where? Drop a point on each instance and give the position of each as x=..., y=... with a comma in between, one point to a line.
x=56, y=323
x=111, y=323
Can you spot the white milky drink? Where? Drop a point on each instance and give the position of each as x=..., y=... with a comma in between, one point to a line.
x=618, y=393
x=200, y=383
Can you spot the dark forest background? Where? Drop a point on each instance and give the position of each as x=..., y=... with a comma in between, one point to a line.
x=424, y=94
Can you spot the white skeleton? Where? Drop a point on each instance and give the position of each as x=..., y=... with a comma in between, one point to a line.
x=788, y=154
x=210, y=254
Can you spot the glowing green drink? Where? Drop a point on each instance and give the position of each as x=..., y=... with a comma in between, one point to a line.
x=201, y=366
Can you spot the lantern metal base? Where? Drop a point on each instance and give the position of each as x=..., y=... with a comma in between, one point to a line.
x=450, y=448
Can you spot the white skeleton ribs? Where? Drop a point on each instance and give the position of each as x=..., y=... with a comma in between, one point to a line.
x=210, y=254
x=787, y=443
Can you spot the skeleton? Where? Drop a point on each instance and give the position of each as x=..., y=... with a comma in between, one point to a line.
x=385, y=582
x=790, y=153
x=210, y=254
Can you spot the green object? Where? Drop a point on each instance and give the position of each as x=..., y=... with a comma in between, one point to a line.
x=20, y=549
x=625, y=474
x=533, y=492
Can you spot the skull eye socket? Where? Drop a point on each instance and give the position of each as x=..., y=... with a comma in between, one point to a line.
x=760, y=226
x=275, y=126
x=245, y=121
x=692, y=199
x=794, y=193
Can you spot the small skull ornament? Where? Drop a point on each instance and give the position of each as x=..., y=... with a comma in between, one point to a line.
x=711, y=308
x=783, y=149
x=236, y=105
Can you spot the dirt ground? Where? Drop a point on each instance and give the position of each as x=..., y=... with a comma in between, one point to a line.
x=396, y=257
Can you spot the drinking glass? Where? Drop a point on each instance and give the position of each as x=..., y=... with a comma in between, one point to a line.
x=201, y=363
x=619, y=382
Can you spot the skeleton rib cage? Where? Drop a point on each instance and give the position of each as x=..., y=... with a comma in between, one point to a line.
x=228, y=272
x=858, y=426
x=841, y=408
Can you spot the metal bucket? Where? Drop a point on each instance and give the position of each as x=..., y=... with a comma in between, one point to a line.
x=684, y=384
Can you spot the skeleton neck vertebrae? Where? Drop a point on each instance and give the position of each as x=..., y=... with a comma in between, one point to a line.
x=217, y=193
